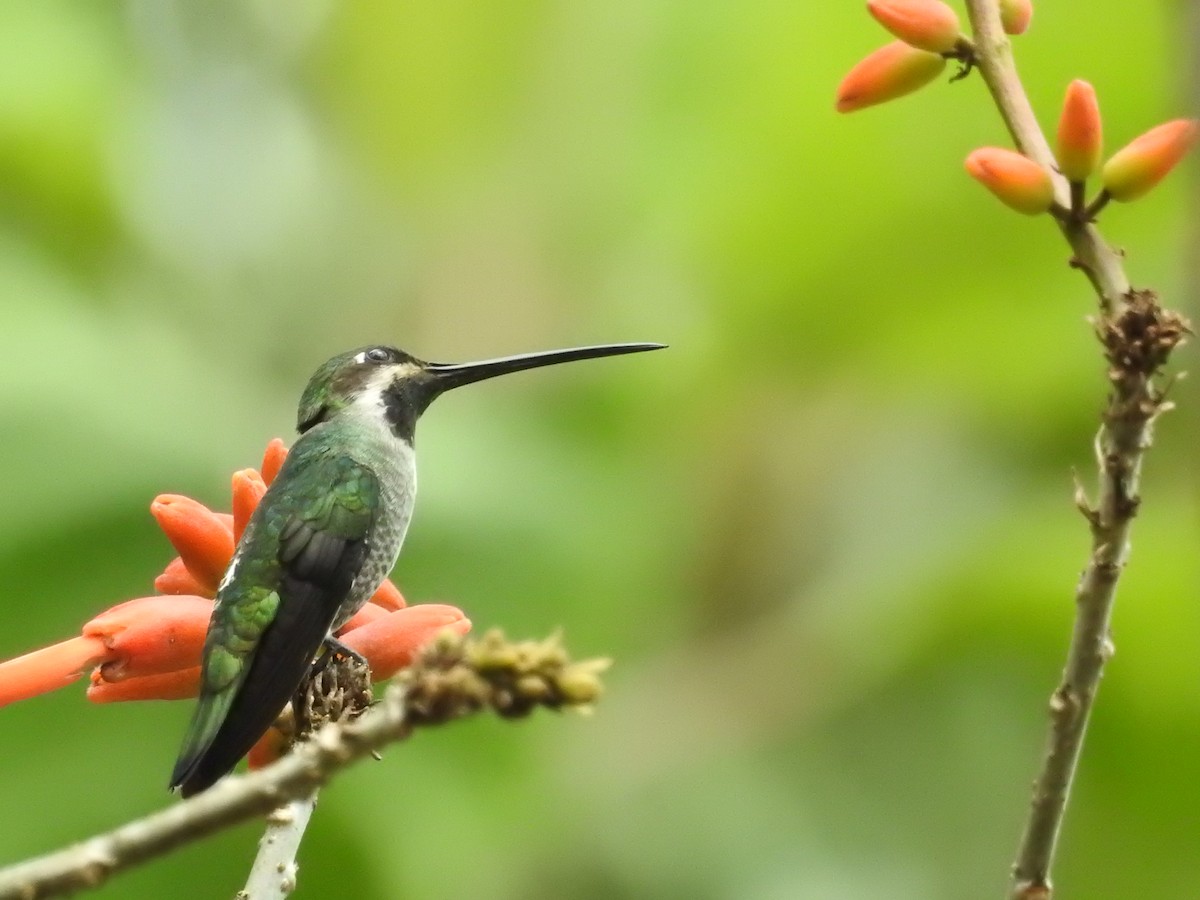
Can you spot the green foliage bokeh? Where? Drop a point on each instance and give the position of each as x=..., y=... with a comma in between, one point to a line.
x=827, y=537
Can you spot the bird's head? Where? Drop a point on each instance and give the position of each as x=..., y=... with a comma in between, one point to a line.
x=400, y=387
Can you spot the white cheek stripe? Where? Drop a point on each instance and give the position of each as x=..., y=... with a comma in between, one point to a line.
x=371, y=397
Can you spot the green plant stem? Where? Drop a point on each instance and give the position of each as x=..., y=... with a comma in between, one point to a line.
x=1129, y=323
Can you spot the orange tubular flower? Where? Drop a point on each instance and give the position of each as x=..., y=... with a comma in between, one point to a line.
x=147, y=636
x=891, y=71
x=925, y=24
x=151, y=635
x=48, y=669
x=203, y=538
x=392, y=640
x=1145, y=161
x=365, y=616
x=1015, y=15
x=176, y=579
x=269, y=748
x=388, y=596
x=1080, y=134
x=248, y=489
x=273, y=459
x=150, y=648
x=1016, y=180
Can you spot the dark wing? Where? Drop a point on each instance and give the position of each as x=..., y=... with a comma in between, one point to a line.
x=293, y=570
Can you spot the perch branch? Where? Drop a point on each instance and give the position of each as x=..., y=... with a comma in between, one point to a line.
x=453, y=678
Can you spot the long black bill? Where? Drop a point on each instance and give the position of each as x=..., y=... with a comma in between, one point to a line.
x=452, y=375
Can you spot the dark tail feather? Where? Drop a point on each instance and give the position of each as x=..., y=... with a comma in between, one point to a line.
x=280, y=661
x=201, y=734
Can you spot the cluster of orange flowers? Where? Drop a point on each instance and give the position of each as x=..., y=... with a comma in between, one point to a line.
x=929, y=35
x=150, y=648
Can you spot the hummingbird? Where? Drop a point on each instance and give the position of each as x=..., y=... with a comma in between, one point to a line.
x=323, y=538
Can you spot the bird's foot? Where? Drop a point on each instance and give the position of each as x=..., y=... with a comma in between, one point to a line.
x=335, y=649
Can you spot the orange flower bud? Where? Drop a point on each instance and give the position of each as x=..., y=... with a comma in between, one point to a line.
x=277, y=452
x=388, y=596
x=203, y=538
x=925, y=24
x=248, y=490
x=1144, y=162
x=891, y=71
x=1015, y=15
x=1017, y=180
x=1079, y=132
x=391, y=642
x=176, y=579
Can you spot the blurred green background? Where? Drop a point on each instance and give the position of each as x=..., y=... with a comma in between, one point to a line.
x=827, y=537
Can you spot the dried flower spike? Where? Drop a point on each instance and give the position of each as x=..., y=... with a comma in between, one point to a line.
x=1015, y=15
x=891, y=71
x=1016, y=180
x=925, y=24
x=1080, y=135
x=1145, y=161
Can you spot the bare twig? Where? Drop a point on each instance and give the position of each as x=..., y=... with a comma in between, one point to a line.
x=1138, y=336
x=453, y=678
x=1137, y=344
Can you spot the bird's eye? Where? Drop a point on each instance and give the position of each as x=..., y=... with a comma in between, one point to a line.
x=378, y=354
